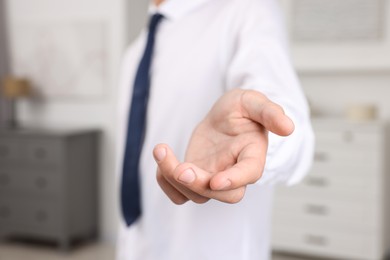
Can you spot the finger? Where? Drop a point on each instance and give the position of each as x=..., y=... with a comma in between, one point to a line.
x=189, y=194
x=180, y=183
x=167, y=163
x=269, y=114
x=248, y=170
x=189, y=180
x=165, y=158
x=173, y=194
x=200, y=184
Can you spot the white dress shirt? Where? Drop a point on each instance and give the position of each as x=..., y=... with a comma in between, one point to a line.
x=204, y=48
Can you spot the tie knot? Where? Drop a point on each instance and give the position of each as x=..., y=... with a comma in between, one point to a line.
x=154, y=22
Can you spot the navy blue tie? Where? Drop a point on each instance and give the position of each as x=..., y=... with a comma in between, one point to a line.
x=130, y=191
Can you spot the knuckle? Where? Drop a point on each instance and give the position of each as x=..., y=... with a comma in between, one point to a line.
x=236, y=196
x=161, y=181
x=200, y=200
x=233, y=200
x=183, y=166
x=250, y=94
x=179, y=200
x=256, y=176
x=166, y=174
x=159, y=176
x=231, y=122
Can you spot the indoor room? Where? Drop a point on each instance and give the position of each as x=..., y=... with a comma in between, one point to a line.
x=205, y=129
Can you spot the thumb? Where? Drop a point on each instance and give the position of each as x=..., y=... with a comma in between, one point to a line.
x=259, y=108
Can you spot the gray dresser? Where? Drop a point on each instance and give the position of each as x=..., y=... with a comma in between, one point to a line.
x=48, y=185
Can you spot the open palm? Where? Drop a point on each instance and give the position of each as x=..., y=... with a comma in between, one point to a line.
x=226, y=152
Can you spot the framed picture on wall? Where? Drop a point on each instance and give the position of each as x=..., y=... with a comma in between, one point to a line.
x=339, y=35
x=63, y=59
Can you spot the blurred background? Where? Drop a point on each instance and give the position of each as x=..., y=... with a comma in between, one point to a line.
x=59, y=65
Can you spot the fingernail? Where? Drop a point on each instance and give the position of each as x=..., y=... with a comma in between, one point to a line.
x=161, y=153
x=188, y=176
x=224, y=185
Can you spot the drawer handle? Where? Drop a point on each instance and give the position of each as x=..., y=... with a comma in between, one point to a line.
x=5, y=212
x=321, y=157
x=318, y=210
x=317, y=182
x=316, y=240
x=4, y=180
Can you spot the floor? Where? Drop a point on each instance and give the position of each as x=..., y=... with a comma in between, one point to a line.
x=26, y=251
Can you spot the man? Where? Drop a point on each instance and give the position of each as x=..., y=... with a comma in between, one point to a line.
x=221, y=99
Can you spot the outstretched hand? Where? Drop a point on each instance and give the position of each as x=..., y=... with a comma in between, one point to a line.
x=227, y=150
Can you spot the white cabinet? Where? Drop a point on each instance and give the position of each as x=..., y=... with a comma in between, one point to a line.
x=340, y=210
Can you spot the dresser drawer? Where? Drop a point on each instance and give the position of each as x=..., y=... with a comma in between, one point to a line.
x=44, y=151
x=30, y=213
x=30, y=182
x=30, y=151
x=324, y=213
x=325, y=243
x=354, y=162
x=349, y=139
x=331, y=185
x=9, y=150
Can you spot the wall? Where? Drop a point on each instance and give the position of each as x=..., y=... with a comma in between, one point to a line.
x=136, y=17
x=125, y=18
x=330, y=94
x=3, y=54
x=90, y=113
x=337, y=73
x=3, y=47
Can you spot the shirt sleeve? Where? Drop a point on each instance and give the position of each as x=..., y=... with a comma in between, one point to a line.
x=260, y=61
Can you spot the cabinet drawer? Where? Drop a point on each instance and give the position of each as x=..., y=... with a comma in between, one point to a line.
x=325, y=243
x=30, y=213
x=9, y=150
x=43, y=151
x=30, y=182
x=30, y=151
x=333, y=186
x=349, y=139
x=327, y=214
x=347, y=161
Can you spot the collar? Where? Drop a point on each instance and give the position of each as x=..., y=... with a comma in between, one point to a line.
x=175, y=9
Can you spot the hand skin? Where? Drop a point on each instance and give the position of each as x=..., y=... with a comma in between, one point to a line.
x=227, y=150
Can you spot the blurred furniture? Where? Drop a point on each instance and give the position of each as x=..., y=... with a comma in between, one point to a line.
x=13, y=89
x=48, y=185
x=341, y=209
